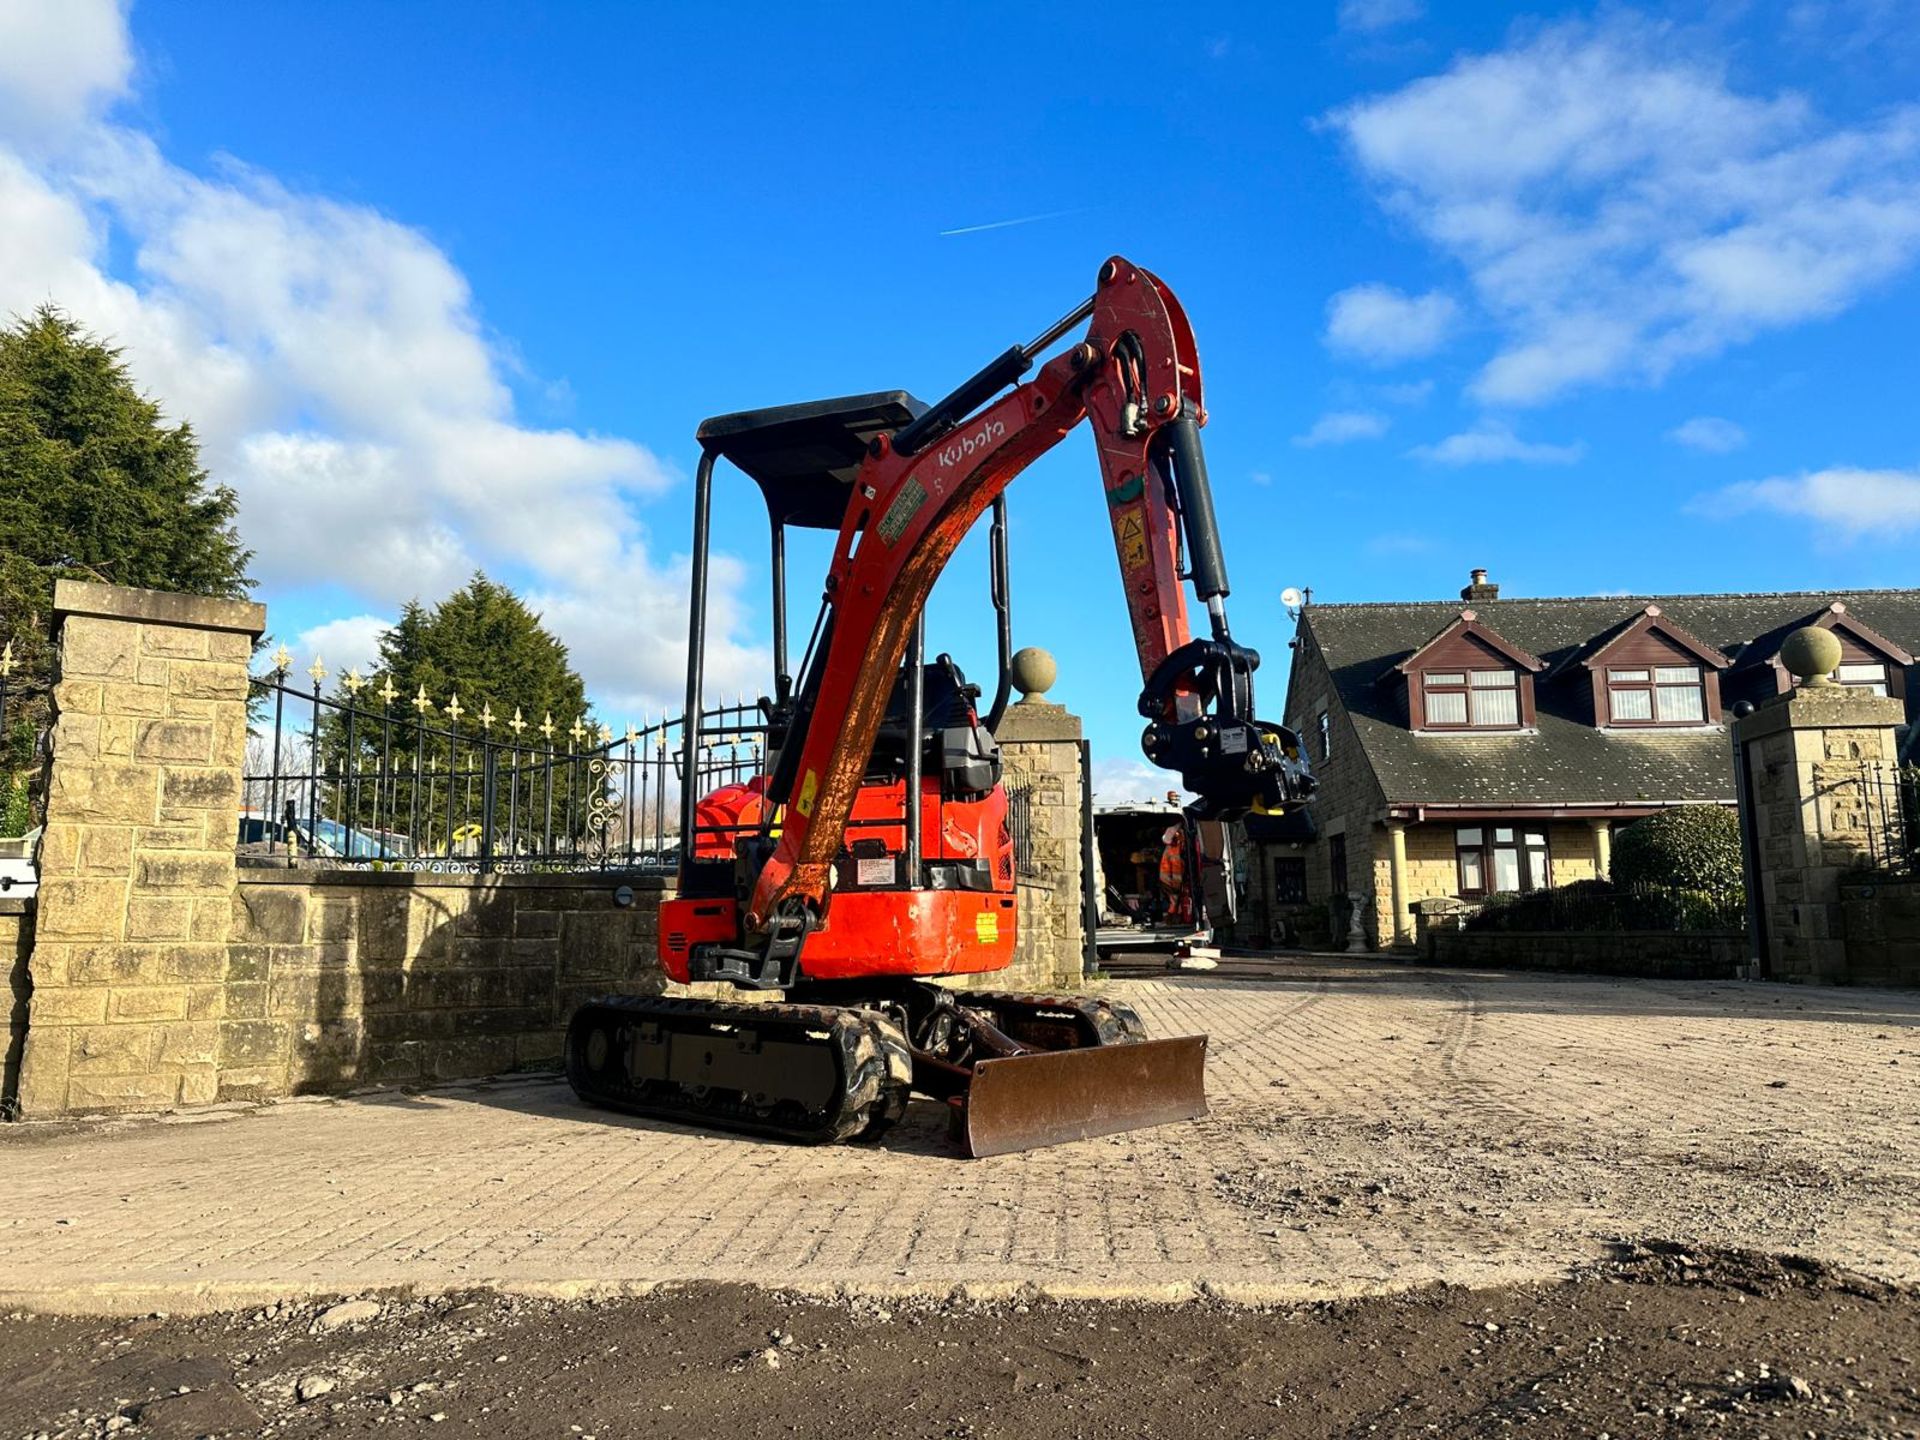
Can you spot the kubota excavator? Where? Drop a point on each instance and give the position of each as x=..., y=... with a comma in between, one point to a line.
x=874, y=857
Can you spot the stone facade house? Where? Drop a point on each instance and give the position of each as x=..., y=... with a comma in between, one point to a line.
x=1482, y=745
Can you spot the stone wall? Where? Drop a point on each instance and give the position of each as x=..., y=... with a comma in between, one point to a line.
x=1805, y=753
x=341, y=978
x=1654, y=954
x=1040, y=750
x=1882, y=915
x=136, y=862
x=16, y=942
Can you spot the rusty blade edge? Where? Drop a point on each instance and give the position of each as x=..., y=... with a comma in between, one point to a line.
x=1024, y=1102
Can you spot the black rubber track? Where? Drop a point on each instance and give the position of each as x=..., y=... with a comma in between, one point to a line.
x=872, y=1062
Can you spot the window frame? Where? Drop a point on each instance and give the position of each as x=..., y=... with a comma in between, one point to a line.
x=1488, y=847
x=1645, y=679
x=1466, y=686
x=1326, y=735
x=1881, y=687
x=1295, y=867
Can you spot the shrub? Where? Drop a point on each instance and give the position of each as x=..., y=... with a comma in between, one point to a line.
x=16, y=809
x=1690, y=847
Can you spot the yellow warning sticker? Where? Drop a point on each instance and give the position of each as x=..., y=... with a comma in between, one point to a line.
x=809, y=788
x=1133, y=543
x=986, y=927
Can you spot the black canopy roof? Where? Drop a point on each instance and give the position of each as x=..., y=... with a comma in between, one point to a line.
x=804, y=457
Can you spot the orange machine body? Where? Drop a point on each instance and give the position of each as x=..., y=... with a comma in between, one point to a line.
x=872, y=927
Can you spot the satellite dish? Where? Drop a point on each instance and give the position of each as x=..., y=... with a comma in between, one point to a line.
x=1290, y=598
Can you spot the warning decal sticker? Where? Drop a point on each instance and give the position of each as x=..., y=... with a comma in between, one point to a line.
x=900, y=513
x=1133, y=542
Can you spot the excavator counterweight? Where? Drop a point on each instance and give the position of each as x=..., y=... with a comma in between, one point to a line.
x=873, y=857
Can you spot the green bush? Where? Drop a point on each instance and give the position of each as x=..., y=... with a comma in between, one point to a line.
x=1590, y=905
x=16, y=810
x=1690, y=847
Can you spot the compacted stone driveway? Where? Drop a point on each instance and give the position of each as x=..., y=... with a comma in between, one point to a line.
x=1374, y=1126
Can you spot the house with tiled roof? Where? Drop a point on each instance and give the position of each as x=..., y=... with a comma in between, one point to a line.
x=1483, y=745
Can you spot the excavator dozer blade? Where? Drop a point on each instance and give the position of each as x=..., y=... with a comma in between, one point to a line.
x=1022, y=1102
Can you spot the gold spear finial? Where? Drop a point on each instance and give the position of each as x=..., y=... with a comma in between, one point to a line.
x=420, y=701
x=632, y=734
x=318, y=670
x=6, y=659
x=386, y=691
x=454, y=710
x=282, y=658
x=352, y=681
x=577, y=731
x=546, y=727
x=516, y=724
x=486, y=716
x=606, y=733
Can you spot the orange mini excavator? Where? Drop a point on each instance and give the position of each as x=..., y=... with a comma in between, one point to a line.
x=874, y=855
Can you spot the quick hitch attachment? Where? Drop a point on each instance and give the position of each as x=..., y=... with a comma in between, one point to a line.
x=1234, y=762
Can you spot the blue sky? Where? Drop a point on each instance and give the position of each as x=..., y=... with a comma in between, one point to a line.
x=1600, y=298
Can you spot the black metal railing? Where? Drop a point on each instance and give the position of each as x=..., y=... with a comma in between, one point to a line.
x=1600, y=905
x=1889, y=817
x=371, y=778
x=1020, y=829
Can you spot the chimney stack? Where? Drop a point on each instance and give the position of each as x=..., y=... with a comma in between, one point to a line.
x=1479, y=588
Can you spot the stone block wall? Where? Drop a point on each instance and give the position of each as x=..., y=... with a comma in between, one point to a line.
x=1805, y=753
x=137, y=857
x=1882, y=915
x=1656, y=954
x=1040, y=749
x=16, y=943
x=340, y=978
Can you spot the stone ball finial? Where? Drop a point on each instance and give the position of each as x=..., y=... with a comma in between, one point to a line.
x=1812, y=655
x=1034, y=672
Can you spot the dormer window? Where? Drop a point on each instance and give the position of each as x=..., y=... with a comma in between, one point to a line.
x=1468, y=679
x=1656, y=695
x=1650, y=672
x=1471, y=699
x=1869, y=677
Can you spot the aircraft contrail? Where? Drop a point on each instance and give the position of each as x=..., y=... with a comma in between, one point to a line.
x=1003, y=224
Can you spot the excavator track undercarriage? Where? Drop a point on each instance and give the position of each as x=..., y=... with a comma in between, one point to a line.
x=838, y=1062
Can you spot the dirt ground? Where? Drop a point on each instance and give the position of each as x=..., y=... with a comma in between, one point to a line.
x=1659, y=1341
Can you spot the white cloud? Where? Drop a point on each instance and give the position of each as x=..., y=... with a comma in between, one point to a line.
x=334, y=364
x=1371, y=15
x=1414, y=392
x=1341, y=426
x=348, y=644
x=1132, y=782
x=59, y=59
x=1620, y=208
x=1709, y=433
x=1379, y=323
x=1261, y=477
x=1493, y=441
x=1853, y=502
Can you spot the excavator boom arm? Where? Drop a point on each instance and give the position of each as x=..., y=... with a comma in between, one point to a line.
x=1136, y=376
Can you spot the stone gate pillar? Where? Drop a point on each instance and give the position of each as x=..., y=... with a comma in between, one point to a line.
x=1806, y=754
x=1041, y=751
x=137, y=859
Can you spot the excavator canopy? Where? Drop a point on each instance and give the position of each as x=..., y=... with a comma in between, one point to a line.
x=804, y=457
